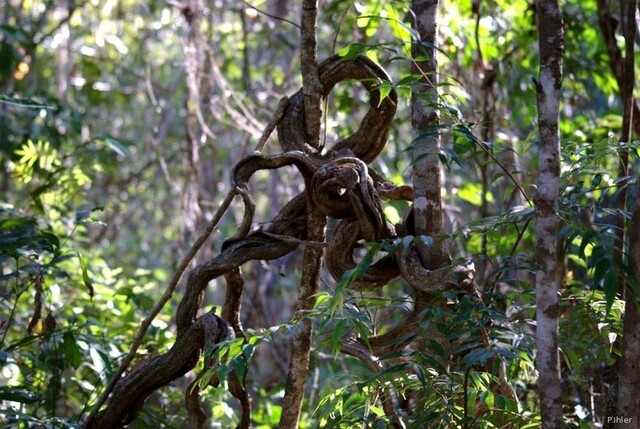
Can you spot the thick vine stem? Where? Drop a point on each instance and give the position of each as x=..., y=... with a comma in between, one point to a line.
x=197, y=415
x=131, y=392
x=340, y=259
x=370, y=137
x=231, y=313
x=448, y=277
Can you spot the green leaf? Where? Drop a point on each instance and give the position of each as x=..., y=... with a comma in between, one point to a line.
x=610, y=286
x=116, y=146
x=71, y=350
x=353, y=50
x=597, y=179
x=27, y=103
x=85, y=274
x=385, y=89
x=13, y=222
x=84, y=215
x=52, y=239
x=478, y=356
x=409, y=80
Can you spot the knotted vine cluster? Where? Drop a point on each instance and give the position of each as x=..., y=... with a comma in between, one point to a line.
x=339, y=184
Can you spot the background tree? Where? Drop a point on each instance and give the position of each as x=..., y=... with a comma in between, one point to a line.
x=549, y=265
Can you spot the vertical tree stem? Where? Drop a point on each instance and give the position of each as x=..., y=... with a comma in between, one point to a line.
x=549, y=272
x=309, y=67
x=192, y=212
x=301, y=345
x=427, y=180
x=628, y=404
x=629, y=373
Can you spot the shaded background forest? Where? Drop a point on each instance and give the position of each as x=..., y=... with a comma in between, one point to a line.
x=120, y=124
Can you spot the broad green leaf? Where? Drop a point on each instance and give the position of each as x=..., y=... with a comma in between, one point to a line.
x=610, y=286
x=71, y=350
x=385, y=89
x=353, y=50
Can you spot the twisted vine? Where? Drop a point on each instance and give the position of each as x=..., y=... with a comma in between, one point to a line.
x=338, y=184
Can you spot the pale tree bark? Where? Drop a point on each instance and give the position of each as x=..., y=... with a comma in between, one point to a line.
x=427, y=177
x=549, y=271
x=301, y=344
x=628, y=404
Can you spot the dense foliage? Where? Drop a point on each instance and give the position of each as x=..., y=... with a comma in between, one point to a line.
x=120, y=122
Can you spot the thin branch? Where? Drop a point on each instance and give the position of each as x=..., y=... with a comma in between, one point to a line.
x=277, y=116
x=279, y=18
x=72, y=8
x=509, y=175
x=335, y=37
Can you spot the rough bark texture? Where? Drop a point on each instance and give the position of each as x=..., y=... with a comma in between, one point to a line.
x=301, y=345
x=623, y=71
x=311, y=85
x=427, y=180
x=628, y=404
x=548, y=267
x=607, y=23
x=316, y=222
x=133, y=390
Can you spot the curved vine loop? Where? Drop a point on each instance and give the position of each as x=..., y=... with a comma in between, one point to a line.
x=370, y=137
x=338, y=184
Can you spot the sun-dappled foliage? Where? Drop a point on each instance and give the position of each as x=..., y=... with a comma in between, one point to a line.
x=120, y=126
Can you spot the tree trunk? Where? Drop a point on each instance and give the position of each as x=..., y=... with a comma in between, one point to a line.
x=627, y=406
x=427, y=180
x=549, y=272
x=301, y=344
x=309, y=67
x=192, y=212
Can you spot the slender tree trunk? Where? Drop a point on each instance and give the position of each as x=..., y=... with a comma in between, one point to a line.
x=628, y=405
x=427, y=180
x=192, y=213
x=623, y=71
x=301, y=345
x=309, y=66
x=549, y=272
